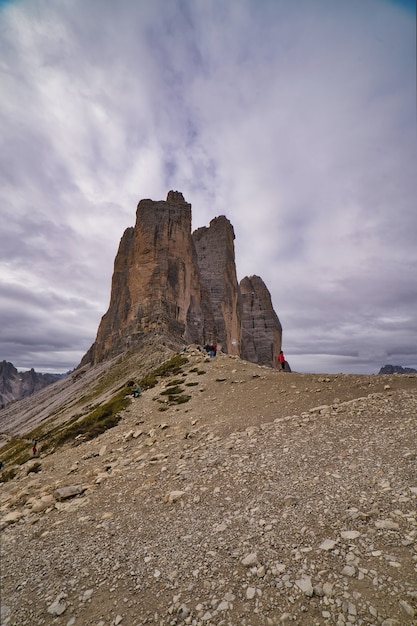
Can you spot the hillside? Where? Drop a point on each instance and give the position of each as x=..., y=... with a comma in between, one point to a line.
x=263, y=498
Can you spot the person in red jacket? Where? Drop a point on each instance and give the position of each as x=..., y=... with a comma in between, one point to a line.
x=281, y=360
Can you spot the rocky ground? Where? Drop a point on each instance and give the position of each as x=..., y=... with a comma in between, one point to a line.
x=269, y=498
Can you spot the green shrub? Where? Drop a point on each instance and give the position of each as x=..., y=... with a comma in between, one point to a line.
x=7, y=475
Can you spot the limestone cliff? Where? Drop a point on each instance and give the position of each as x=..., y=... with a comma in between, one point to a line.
x=169, y=282
x=216, y=260
x=261, y=328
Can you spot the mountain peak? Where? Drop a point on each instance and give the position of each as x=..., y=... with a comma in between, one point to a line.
x=168, y=281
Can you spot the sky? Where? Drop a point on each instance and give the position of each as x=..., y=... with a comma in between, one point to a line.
x=295, y=120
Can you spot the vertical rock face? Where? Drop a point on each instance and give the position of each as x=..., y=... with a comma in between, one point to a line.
x=170, y=282
x=216, y=260
x=261, y=328
x=156, y=285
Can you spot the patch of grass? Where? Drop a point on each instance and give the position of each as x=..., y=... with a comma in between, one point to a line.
x=200, y=372
x=178, y=399
x=175, y=382
x=171, y=367
x=97, y=421
x=16, y=452
x=172, y=391
x=191, y=384
x=220, y=380
x=7, y=475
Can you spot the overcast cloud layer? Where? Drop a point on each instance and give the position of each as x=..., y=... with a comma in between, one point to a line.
x=296, y=120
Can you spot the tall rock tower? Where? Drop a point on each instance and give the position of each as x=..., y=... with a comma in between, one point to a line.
x=216, y=260
x=261, y=328
x=170, y=283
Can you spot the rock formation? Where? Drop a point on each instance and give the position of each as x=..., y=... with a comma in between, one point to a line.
x=261, y=328
x=216, y=261
x=171, y=283
x=397, y=369
x=15, y=385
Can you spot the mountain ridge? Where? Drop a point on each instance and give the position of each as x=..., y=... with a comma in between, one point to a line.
x=15, y=385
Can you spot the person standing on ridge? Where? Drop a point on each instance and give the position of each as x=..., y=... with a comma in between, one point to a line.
x=281, y=360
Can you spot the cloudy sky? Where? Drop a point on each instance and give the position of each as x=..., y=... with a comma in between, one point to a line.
x=296, y=120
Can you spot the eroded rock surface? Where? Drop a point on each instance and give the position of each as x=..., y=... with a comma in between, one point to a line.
x=182, y=285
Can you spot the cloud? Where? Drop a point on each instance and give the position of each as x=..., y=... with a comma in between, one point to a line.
x=296, y=121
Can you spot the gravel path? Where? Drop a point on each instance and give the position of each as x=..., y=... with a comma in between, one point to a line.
x=268, y=498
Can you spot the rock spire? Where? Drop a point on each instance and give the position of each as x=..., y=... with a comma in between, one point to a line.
x=170, y=282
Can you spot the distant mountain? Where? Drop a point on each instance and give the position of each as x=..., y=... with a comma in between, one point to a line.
x=15, y=385
x=397, y=369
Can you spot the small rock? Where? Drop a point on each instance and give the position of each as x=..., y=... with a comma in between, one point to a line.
x=11, y=518
x=328, y=544
x=174, y=496
x=220, y=527
x=250, y=593
x=328, y=589
x=318, y=591
x=64, y=493
x=290, y=500
x=305, y=585
x=58, y=607
x=386, y=524
x=407, y=608
x=348, y=570
x=350, y=534
x=250, y=560
x=87, y=595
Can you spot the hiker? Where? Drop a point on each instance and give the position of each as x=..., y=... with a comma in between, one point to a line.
x=34, y=448
x=137, y=392
x=214, y=349
x=281, y=360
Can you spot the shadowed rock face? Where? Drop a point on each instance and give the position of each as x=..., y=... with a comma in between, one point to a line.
x=170, y=282
x=261, y=328
x=216, y=261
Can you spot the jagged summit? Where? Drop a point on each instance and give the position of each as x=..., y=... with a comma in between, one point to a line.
x=170, y=282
